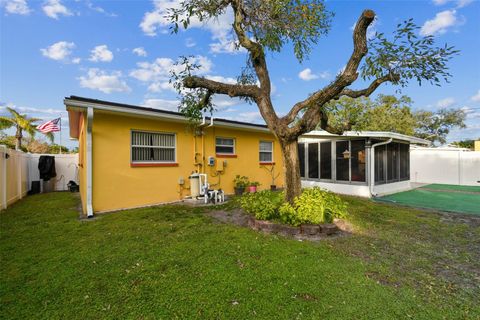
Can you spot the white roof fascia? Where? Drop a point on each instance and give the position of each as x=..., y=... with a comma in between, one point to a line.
x=367, y=134
x=146, y=113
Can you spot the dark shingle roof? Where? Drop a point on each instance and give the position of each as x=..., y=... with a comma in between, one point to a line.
x=134, y=107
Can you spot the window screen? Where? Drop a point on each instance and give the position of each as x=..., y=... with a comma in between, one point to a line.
x=358, y=160
x=342, y=159
x=266, y=151
x=380, y=152
x=313, y=160
x=225, y=145
x=301, y=158
x=392, y=162
x=326, y=160
x=404, y=161
x=153, y=147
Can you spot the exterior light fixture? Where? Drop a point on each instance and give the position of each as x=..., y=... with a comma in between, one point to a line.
x=346, y=154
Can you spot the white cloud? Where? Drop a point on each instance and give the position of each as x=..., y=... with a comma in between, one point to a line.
x=99, y=9
x=222, y=79
x=471, y=113
x=140, y=51
x=76, y=60
x=249, y=116
x=307, y=75
x=221, y=27
x=459, y=3
x=476, y=97
x=162, y=104
x=445, y=103
x=60, y=51
x=189, y=43
x=440, y=24
x=101, y=53
x=54, y=9
x=97, y=79
x=17, y=7
x=157, y=73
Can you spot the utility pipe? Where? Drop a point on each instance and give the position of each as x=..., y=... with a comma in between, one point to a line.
x=89, y=162
x=372, y=164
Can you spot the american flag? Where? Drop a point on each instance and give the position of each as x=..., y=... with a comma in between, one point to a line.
x=49, y=126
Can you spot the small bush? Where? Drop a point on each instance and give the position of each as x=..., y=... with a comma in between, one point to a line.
x=263, y=204
x=313, y=206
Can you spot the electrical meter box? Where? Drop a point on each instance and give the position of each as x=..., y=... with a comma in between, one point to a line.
x=211, y=161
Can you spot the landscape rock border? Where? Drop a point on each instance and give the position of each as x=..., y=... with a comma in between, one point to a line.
x=309, y=232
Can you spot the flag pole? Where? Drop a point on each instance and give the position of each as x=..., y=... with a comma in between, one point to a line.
x=60, y=146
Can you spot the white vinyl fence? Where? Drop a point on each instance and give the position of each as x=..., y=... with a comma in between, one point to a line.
x=445, y=165
x=19, y=169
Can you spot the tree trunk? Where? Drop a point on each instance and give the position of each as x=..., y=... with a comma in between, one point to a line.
x=291, y=168
x=18, y=136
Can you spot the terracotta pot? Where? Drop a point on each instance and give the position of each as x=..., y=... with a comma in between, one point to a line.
x=252, y=189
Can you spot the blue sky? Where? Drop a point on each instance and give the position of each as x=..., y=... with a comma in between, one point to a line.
x=122, y=51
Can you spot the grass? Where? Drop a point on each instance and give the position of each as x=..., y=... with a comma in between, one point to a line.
x=175, y=262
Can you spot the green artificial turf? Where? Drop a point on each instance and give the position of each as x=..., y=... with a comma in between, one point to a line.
x=451, y=187
x=462, y=199
x=175, y=262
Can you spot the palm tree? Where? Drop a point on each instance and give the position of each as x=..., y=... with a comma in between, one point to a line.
x=21, y=122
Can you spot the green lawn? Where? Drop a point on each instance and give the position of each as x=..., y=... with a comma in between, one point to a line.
x=175, y=262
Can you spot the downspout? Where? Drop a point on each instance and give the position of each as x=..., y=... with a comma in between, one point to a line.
x=371, y=181
x=89, y=162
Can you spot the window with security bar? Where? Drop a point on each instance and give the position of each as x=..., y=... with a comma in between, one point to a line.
x=153, y=147
x=266, y=151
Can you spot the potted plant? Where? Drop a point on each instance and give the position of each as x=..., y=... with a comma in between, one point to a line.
x=271, y=170
x=240, y=183
x=253, y=186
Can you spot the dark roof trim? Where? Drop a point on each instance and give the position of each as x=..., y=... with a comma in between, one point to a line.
x=166, y=112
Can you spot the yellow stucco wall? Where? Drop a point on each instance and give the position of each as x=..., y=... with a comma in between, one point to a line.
x=477, y=145
x=117, y=185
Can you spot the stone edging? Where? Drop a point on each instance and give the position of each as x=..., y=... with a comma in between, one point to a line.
x=304, y=230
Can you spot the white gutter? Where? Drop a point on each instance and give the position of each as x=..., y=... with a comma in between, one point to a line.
x=372, y=164
x=368, y=134
x=89, y=162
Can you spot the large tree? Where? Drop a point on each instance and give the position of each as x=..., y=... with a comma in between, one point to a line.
x=389, y=113
x=266, y=26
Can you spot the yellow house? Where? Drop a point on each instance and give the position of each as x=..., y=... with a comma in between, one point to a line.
x=131, y=156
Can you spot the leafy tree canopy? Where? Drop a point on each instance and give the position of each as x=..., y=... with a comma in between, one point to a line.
x=389, y=113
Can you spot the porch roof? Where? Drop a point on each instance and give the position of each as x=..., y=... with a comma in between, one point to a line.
x=321, y=134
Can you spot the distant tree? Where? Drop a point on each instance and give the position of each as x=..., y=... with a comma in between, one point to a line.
x=55, y=148
x=35, y=146
x=435, y=126
x=266, y=26
x=468, y=143
x=21, y=123
x=385, y=113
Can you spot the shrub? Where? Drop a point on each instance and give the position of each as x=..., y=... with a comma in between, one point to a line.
x=313, y=206
x=240, y=182
x=263, y=204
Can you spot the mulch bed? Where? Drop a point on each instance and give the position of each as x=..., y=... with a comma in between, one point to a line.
x=309, y=232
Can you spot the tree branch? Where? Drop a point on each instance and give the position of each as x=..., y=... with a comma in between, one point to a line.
x=257, y=56
x=233, y=90
x=371, y=88
x=314, y=103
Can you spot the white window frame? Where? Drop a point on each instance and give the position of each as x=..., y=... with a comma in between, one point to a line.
x=224, y=145
x=271, y=152
x=143, y=146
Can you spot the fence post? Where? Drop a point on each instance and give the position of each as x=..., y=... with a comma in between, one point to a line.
x=3, y=169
